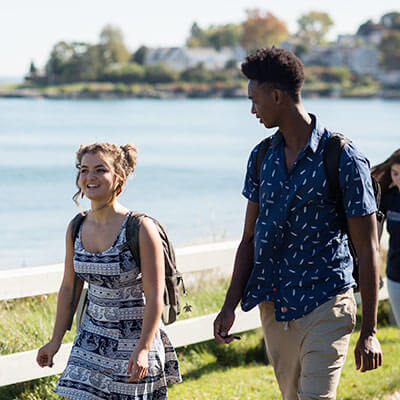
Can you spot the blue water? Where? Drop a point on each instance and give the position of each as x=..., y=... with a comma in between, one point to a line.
x=192, y=160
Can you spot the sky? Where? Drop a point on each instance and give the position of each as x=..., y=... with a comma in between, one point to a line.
x=30, y=28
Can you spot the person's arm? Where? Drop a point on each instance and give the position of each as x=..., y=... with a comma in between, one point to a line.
x=243, y=266
x=153, y=278
x=363, y=233
x=380, y=230
x=63, y=315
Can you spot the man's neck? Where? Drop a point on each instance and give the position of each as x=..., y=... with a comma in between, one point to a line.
x=296, y=127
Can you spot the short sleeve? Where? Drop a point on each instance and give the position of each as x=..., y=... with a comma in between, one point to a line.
x=252, y=182
x=356, y=183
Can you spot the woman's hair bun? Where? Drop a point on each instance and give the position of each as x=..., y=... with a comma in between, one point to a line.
x=130, y=154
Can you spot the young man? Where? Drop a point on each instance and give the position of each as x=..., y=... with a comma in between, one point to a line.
x=293, y=260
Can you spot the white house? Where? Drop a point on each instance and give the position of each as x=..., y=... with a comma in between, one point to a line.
x=181, y=58
x=359, y=59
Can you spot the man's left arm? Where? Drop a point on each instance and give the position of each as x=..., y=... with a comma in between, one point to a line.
x=363, y=233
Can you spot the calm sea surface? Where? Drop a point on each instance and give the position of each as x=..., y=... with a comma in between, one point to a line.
x=191, y=166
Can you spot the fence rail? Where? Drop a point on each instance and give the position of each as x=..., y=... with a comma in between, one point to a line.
x=24, y=282
x=34, y=281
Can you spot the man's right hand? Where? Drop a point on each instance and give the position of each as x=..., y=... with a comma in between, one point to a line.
x=222, y=324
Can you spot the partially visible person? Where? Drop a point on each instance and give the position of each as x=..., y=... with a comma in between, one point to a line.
x=121, y=350
x=388, y=176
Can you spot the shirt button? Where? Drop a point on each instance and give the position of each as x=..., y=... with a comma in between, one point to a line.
x=274, y=289
x=283, y=309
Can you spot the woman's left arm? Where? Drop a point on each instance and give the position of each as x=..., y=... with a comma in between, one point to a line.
x=153, y=278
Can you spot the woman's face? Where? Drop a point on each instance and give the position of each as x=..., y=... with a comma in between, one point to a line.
x=395, y=173
x=97, y=179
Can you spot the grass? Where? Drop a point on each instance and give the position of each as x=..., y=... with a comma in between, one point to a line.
x=238, y=371
x=210, y=371
x=28, y=323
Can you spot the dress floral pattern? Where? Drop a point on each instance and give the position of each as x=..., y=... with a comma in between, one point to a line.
x=111, y=328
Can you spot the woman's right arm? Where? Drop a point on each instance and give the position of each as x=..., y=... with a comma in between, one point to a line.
x=64, y=299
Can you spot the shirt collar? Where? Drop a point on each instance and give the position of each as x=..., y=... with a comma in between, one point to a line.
x=313, y=142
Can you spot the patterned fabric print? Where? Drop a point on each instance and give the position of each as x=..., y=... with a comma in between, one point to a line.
x=111, y=328
x=301, y=256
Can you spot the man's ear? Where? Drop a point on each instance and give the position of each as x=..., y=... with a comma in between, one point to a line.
x=277, y=96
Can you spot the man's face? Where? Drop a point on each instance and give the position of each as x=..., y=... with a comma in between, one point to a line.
x=264, y=103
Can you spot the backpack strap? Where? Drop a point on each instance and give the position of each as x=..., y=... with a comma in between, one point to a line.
x=331, y=156
x=132, y=235
x=132, y=240
x=263, y=147
x=75, y=226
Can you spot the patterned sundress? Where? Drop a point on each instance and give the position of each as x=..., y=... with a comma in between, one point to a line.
x=111, y=328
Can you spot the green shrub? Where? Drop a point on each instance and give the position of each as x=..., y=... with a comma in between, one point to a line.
x=159, y=74
x=127, y=73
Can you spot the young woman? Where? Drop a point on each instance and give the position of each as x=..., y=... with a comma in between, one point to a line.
x=388, y=175
x=121, y=351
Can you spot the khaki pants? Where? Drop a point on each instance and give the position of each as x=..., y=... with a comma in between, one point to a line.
x=308, y=353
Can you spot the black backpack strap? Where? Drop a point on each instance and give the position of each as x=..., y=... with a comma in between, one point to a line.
x=332, y=153
x=263, y=147
x=75, y=226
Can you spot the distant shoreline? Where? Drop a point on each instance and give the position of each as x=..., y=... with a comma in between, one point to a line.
x=174, y=92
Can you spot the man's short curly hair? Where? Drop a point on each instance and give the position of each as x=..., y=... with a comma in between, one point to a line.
x=279, y=67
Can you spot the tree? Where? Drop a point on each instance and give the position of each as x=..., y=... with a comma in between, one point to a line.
x=196, y=74
x=300, y=49
x=390, y=50
x=231, y=64
x=32, y=69
x=216, y=36
x=224, y=35
x=262, y=29
x=139, y=55
x=114, y=49
x=391, y=20
x=313, y=27
x=367, y=28
x=73, y=62
x=198, y=37
x=92, y=63
x=60, y=55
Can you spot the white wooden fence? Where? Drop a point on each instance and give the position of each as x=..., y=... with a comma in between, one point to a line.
x=24, y=282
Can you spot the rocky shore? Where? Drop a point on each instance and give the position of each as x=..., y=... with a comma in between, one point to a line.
x=192, y=92
x=150, y=93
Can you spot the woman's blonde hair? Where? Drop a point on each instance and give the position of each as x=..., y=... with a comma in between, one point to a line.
x=123, y=162
x=382, y=171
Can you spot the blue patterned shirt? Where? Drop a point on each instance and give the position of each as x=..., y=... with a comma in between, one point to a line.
x=301, y=256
